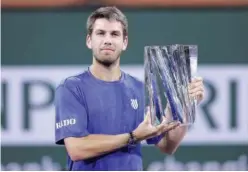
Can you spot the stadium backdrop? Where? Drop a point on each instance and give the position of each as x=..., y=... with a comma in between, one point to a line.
x=42, y=46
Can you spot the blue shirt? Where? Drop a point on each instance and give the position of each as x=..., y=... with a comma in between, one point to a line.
x=86, y=105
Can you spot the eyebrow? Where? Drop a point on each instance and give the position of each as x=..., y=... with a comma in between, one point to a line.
x=116, y=31
x=113, y=31
x=100, y=30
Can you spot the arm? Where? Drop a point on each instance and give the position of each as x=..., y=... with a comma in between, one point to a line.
x=170, y=142
x=71, y=126
x=94, y=145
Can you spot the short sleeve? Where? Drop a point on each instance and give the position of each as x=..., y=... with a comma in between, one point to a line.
x=71, y=115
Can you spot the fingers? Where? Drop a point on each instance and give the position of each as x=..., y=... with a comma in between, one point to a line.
x=160, y=127
x=197, y=79
x=164, y=120
x=165, y=127
x=199, y=93
x=196, y=92
x=148, y=115
x=196, y=83
x=171, y=126
x=196, y=89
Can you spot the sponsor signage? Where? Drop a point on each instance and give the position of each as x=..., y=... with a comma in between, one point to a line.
x=28, y=116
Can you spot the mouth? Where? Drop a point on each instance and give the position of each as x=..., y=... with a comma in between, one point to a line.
x=107, y=49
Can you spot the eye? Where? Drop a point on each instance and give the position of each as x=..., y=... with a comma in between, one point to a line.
x=100, y=33
x=115, y=34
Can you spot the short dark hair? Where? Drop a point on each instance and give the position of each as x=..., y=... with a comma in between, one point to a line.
x=109, y=13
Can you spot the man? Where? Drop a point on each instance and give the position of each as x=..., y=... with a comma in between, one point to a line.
x=95, y=120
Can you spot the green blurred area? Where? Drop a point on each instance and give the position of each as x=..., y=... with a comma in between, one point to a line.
x=200, y=158
x=46, y=37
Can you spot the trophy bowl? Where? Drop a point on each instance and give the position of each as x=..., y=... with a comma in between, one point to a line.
x=169, y=70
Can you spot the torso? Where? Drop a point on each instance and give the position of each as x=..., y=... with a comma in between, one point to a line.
x=113, y=108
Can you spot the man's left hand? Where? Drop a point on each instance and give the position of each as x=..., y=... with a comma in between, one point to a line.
x=196, y=89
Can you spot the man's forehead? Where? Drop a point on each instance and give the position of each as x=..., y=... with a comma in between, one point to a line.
x=107, y=25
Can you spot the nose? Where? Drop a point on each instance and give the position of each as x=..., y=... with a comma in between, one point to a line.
x=107, y=43
x=107, y=40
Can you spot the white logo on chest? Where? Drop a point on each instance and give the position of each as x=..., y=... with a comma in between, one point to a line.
x=134, y=103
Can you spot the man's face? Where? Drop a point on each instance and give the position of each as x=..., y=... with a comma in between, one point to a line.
x=107, y=41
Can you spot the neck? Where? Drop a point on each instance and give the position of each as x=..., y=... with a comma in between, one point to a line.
x=110, y=73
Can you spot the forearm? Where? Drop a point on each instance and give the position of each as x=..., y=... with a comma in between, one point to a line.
x=94, y=145
x=170, y=142
x=173, y=138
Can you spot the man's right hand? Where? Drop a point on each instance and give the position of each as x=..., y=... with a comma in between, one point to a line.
x=146, y=130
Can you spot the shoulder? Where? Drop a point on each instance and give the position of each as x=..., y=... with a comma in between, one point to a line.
x=134, y=81
x=71, y=86
x=72, y=82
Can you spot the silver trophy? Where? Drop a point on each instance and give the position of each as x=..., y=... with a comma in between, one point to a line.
x=168, y=72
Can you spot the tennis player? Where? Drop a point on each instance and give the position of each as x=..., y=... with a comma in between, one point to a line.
x=100, y=112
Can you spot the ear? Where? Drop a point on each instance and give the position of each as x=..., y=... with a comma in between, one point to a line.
x=125, y=43
x=88, y=41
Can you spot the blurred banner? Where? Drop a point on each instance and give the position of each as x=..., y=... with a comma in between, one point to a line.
x=221, y=118
x=41, y=48
x=218, y=140
x=125, y=3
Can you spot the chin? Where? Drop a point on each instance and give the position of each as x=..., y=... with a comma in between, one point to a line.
x=106, y=61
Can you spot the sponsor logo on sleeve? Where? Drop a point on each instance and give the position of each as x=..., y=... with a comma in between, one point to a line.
x=65, y=122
